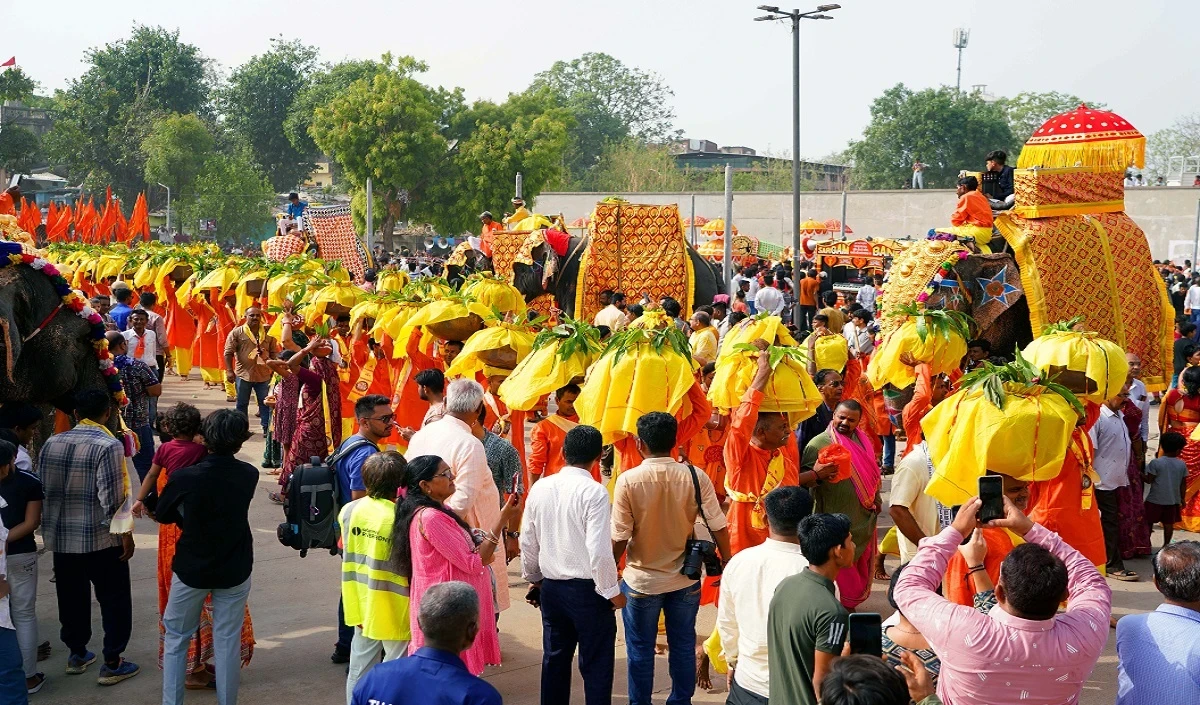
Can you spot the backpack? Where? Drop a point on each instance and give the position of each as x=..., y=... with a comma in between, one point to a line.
x=311, y=509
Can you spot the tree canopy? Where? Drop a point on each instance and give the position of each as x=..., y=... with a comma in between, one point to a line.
x=16, y=85
x=258, y=101
x=610, y=102
x=943, y=128
x=176, y=150
x=106, y=114
x=1027, y=111
x=232, y=191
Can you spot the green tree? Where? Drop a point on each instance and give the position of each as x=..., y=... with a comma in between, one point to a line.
x=176, y=151
x=20, y=149
x=610, y=101
x=232, y=191
x=943, y=128
x=258, y=101
x=528, y=133
x=1182, y=139
x=106, y=114
x=1027, y=111
x=324, y=86
x=386, y=128
x=16, y=85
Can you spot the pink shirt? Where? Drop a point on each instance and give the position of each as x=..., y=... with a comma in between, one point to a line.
x=999, y=658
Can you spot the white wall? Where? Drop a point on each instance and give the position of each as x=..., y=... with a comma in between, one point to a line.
x=1167, y=215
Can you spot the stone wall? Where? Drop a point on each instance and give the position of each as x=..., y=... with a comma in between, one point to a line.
x=1167, y=215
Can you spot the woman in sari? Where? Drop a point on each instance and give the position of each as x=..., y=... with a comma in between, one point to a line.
x=318, y=382
x=183, y=423
x=1134, y=532
x=856, y=495
x=1180, y=412
x=432, y=544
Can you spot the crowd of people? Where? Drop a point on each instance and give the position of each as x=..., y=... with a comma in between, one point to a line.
x=773, y=522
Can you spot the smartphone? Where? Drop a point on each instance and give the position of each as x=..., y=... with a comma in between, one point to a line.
x=866, y=634
x=991, y=494
x=953, y=516
x=516, y=484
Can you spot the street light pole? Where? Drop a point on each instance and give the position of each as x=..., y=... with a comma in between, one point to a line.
x=168, y=188
x=774, y=13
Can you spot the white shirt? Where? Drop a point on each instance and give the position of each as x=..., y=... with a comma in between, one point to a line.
x=859, y=339
x=747, y=586
x=612, y=317
x=770, y=299
x=565, y=532
x=476, y=498
x=158, y=324
x=1191, y=302
x=735, y=284
x=754, y=287
x=866, y=297
x=23, y=461
x=150, y=350
x=5, y=613
x=908, y=490
x=1141, y=398
x=1111, y=439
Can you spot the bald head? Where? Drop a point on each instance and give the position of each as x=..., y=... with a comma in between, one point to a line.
x=116, y=342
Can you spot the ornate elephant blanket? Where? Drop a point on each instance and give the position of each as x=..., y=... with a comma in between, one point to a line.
x=333, y=229
x=505, y=247
x=1099, y=267
x=634, y=249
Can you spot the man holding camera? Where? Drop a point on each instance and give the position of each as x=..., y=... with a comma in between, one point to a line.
x=655, y=509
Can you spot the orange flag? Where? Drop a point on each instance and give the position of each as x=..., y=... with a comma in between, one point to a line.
x=108, y=221
x=139, y=221
x=30, y=218
x=58, y=223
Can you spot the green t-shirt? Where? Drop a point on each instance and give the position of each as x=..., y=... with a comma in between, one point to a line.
x=805, y=617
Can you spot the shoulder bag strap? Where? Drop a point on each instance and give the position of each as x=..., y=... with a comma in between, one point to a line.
x=699, y=503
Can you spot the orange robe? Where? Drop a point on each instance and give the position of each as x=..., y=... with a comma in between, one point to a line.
x=746, y=474
x=972, y=209
x=1058, y=504
x=6, y=204
x=406, y=398
x=689, y=426
x=207, y=348
x=706, y=451
x=546, y=444
x=915, y=410
x=957, y=586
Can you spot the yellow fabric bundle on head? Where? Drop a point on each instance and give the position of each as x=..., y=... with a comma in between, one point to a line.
x=768, y=328
x=553, y=363
x=789, y=390
x=1068, y=354
x=494, y=293
x=937, y=338
x=502, y=346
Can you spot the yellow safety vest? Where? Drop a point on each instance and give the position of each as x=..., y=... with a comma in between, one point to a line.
x=374, y=597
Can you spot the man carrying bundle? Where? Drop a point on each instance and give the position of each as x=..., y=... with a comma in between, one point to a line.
x=759, y=456
x=548, y=436
x=854, y=493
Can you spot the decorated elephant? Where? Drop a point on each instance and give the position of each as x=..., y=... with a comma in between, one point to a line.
x=48, y=351
x=632, y=248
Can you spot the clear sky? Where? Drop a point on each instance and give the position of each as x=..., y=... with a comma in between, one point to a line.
x=731, y=76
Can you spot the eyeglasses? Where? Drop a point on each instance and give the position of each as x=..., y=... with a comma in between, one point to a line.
x=447, y=473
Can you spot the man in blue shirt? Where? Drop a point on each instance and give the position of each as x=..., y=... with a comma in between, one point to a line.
x=375, y=420
x=1157, y=652
x=296, y=207
x=120, y=313
x=434, y=675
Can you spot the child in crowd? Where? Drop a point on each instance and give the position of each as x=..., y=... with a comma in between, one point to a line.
x=1167, y=477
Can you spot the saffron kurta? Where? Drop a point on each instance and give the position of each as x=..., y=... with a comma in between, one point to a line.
x=749, y=474
x=689, y=426
x=546, y=445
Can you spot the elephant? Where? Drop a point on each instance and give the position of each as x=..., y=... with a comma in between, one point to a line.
x=988, y=288
x=564, y=278
x=47, y=349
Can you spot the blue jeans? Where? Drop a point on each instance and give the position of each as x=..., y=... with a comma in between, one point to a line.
x=180, y=621
x=12, y=674
x=345, y=631
x=260, y=390
x=145, y=455
x=641, y=628
x=889, y=451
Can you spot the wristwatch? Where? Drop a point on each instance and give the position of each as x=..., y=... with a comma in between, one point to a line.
x=513, y=534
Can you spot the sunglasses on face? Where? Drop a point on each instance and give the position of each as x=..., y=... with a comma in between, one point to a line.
x=386, y=418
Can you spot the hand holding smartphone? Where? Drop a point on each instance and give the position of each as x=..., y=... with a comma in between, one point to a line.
x=991, y=495
x=866, y=633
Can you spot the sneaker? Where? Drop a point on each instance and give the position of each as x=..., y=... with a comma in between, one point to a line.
x=123, y=671
x=43, y=651
x=340, y=655
x=77, y=664
x=39, y=679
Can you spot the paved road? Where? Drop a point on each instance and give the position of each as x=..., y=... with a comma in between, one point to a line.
x=294, y=607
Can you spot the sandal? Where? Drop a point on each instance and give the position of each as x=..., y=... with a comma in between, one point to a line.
x=276, y=498
x=1127, y=576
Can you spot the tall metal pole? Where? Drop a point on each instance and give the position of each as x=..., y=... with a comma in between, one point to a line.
x=727, y=261
x=797, y=250
x=958, y=81
x=843, y=226
x=520, y=185
x=169, y=212
x=370, y=229
x=694, y=220
x=1196, y=241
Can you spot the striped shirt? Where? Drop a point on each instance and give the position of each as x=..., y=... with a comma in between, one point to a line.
x=81, y=475
x=1157, y=656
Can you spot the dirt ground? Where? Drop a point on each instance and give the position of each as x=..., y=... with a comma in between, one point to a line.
x=293, y=604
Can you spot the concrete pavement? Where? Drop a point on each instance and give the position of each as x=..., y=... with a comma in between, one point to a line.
x=293, y=605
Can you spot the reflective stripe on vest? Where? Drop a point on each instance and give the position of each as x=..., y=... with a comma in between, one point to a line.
x=374, y=596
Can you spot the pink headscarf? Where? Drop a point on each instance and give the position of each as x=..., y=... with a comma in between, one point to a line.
x=866, y=476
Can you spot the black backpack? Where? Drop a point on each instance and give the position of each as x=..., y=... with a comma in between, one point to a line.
x=311, y=509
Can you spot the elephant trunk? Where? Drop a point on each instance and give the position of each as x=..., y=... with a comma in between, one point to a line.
x=12, y=347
